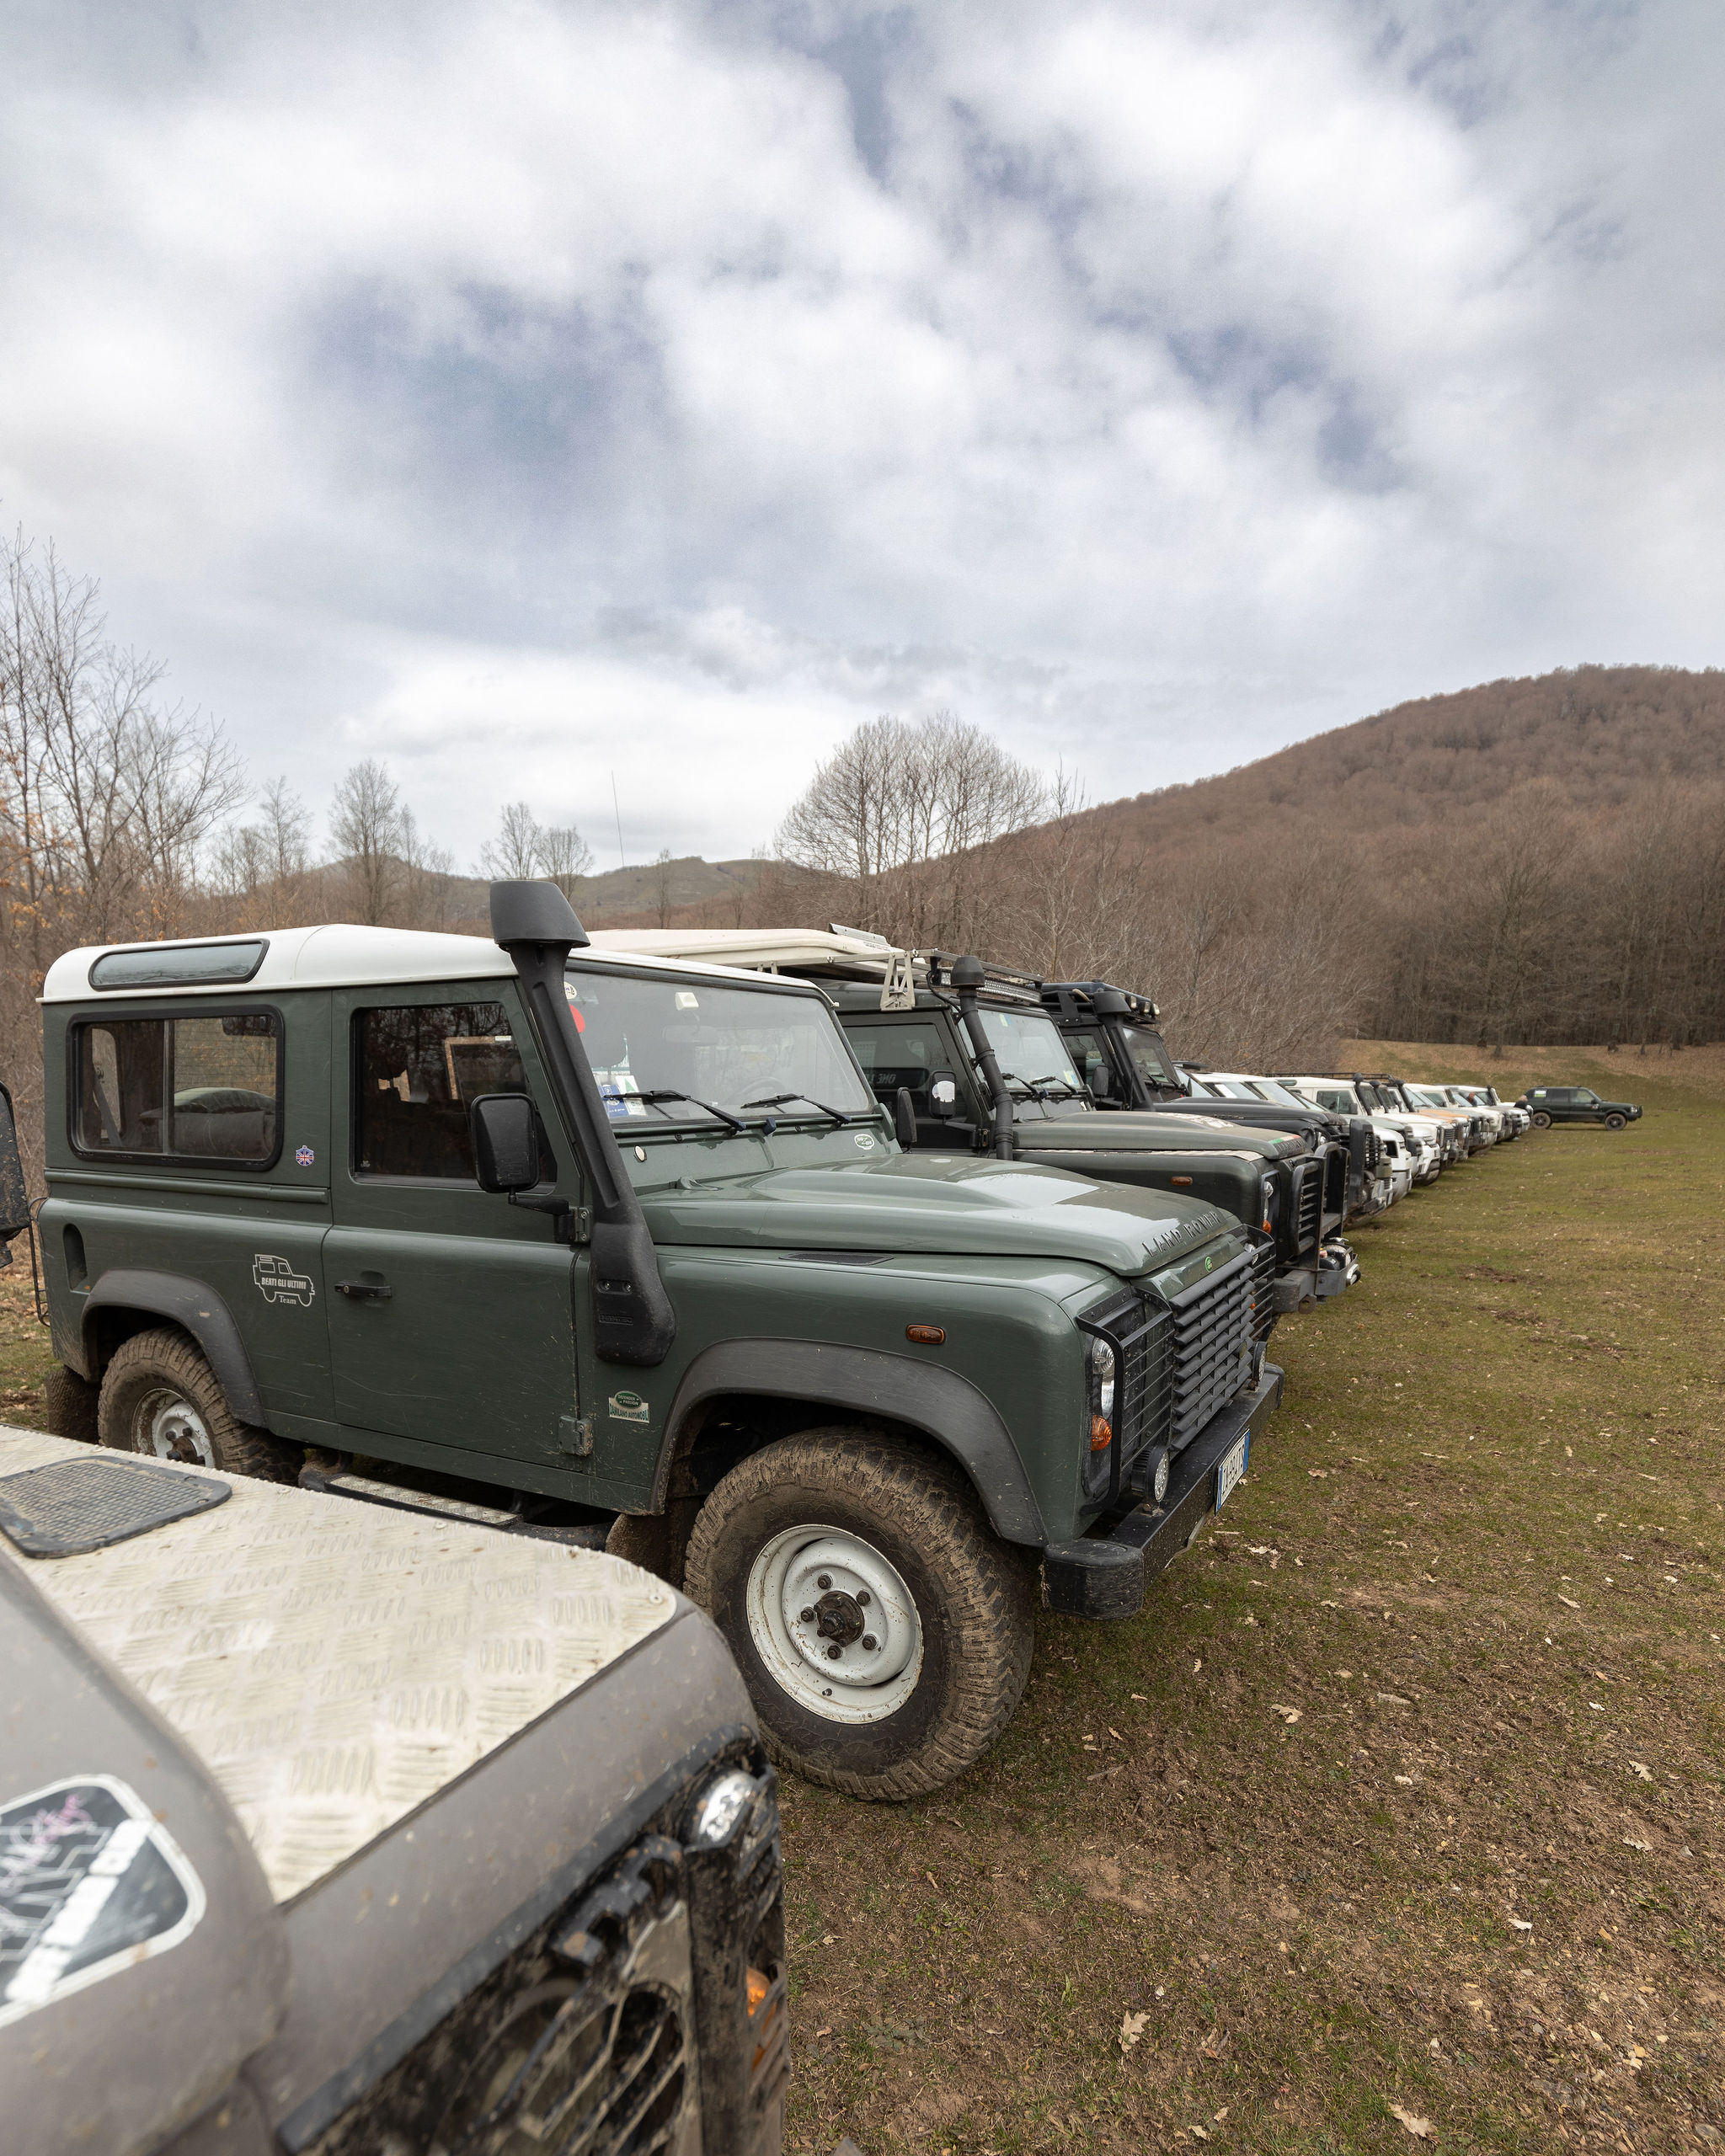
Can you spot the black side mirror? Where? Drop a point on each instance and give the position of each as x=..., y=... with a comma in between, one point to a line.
x=944, y=1095
x=1101, y=1080
x=506, y=1131
x=905, y=1119
x=14, y=1197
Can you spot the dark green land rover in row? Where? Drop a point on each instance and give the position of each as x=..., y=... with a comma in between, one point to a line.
x=609, y=1247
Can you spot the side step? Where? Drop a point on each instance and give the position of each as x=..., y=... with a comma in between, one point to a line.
x=340, y=1482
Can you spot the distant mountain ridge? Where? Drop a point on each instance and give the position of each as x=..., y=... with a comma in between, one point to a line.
x=1599, y=734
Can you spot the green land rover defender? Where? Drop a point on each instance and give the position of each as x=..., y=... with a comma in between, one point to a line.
x=606, y=1247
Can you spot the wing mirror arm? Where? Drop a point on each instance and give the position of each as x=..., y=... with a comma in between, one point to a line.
x=632, y=1318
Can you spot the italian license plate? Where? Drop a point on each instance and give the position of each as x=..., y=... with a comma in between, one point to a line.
x=1231, y=1467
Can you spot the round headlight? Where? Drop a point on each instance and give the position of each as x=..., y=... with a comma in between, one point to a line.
x=1102, y=1377
x=717, y=1809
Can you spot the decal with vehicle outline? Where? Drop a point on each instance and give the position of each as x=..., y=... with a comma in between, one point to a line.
x=276, y=1282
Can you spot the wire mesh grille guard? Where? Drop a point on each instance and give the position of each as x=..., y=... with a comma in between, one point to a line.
x=1212, y=1341
x=1140, y=1333
x=580, y=2043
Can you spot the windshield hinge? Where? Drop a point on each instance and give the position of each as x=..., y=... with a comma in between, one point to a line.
x=581, y=1223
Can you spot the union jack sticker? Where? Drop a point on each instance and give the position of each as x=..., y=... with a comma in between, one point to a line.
x=304, y=1157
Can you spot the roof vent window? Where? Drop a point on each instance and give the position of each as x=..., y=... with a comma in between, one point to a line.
x=179, y=965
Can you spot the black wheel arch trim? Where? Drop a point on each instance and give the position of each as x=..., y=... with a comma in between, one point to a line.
x=196, y=1310
x=939, y=1403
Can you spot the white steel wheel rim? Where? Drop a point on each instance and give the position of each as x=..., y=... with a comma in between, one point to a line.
x=862, y=1684
x=167, y=1424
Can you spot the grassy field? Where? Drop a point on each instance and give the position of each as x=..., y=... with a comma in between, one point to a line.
x=1393, y=1821
x=1403, y=1791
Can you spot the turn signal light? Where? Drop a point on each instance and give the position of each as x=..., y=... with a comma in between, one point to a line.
x=1102, y=1433
x=759, y=1986
x=926, y=1335
x=1184, y=1181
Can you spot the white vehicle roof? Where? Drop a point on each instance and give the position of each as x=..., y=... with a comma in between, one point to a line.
x=340, y=955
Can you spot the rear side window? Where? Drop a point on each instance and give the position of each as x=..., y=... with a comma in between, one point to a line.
x=180, y=1088
x=901, y=1055
x=419, y=1068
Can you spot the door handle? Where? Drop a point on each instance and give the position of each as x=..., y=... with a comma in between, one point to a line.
x=363, y=1291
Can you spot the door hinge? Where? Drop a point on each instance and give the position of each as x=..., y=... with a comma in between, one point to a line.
x=575, y=1437
x=581, y=1223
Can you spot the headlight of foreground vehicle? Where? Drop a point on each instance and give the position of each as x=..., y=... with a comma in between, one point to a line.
x=1098, y=1417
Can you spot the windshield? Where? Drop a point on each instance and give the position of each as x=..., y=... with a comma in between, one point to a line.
x=1278, y=1097
x=1156, y=1067
x=693, y=1041
x=1427, y=1097
x=1028, y=1049
x=1338, y=1099
x=1231, y=1089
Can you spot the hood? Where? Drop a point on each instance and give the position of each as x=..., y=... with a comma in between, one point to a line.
x=920, y=1202
x=1144, y=1131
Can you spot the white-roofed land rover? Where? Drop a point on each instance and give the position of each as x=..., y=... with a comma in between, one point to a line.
x=603, y=1245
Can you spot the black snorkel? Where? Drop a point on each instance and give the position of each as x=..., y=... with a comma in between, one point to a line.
x=967, y=976
x=632, y=1318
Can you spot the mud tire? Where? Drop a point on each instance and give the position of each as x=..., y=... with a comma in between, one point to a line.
x=166, y=1362
x=975, y=1598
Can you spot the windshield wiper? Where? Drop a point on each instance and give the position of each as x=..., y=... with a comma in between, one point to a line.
x=1034, y=1088
x=670, y=1093
x=839, y=1117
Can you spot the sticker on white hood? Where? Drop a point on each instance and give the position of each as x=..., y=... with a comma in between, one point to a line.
x=90, y=1884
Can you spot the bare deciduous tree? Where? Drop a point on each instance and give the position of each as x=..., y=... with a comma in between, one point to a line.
x=366, y=830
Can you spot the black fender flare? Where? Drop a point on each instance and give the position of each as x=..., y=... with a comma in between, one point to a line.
x=197, y=1309
x=944, y=1406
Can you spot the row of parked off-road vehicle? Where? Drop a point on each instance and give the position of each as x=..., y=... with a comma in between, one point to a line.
x=456, y=1321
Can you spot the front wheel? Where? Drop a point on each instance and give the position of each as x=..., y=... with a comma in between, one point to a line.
x=160, y=1397
x=1615, y=1122
x=884, y=1632
x=1541, y=1121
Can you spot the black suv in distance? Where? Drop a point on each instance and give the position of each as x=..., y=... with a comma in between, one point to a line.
x=1550, y=1104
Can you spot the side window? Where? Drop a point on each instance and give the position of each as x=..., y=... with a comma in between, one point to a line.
x=1088, y=1054
x=179, y=1089
x=418, y=1069
x=904, y=1055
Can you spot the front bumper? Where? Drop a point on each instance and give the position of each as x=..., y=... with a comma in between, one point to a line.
x=1104, y=1575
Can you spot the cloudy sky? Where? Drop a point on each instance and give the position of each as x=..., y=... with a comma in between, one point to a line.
x=528, y=392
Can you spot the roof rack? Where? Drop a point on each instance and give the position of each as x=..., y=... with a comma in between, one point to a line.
x=1073, y=1000
x=835, y=952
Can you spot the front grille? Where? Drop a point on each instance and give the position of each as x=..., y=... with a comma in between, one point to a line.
x=646, y=2016
x=1140, y=1333
x=1308, y=1219
x=1212, y=1333
x=1263, y=1292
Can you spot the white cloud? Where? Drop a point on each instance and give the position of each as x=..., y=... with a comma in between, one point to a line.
x=663, y=389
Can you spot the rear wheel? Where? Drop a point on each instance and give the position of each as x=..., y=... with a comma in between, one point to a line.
x=161, y=1398
x=1615, y=1122
x=1541, y=1121
x=884, y=1631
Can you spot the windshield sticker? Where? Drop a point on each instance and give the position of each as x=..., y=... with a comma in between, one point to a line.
x=863, y=1142
x=627, y=1407
x=687, y=1000
x=276, y=1282
x=90, y=1884
x=618, y=1089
